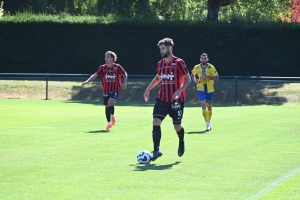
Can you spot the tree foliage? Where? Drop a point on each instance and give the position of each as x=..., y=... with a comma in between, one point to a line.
x=227, y=10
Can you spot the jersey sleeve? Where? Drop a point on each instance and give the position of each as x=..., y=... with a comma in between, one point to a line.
x=214, y=72
x=99, y=71
x=194, y=71
x=182, y=67
x=121, y=70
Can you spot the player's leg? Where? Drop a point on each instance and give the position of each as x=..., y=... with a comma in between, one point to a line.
x=159, y=113
x=107, y=111
x=111, y=104
x=176, y=113
x=209, y=101
x=202, y=98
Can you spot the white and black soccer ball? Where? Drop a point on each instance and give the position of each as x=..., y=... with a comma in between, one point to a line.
x=144, y=157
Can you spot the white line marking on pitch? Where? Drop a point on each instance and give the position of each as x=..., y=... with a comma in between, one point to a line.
x=275, y=184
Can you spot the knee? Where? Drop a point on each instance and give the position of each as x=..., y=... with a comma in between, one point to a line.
x=156, y=122
x=177, y=127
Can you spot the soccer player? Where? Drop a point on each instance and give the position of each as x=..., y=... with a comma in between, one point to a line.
x=173, y=76
x=207, y=75
x=111, y=75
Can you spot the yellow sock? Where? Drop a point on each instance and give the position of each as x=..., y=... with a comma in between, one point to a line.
x=209, y=114
x=204, y=112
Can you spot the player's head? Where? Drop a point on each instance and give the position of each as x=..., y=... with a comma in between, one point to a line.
x=204, y=58
x=166, y=46
x=110, y=56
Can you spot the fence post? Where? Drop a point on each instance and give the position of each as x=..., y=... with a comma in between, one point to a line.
x=46, y=86
x=236, y=90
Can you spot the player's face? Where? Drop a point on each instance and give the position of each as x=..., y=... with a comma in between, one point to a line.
x=164, y=51
x=204, y=60
x=108, y=58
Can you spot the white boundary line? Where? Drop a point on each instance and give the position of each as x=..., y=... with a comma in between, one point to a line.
x=274, y=184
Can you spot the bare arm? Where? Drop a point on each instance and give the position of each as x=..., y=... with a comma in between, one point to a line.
x=214, y=78
x=124, y=85
x=153, y=83
x=93, y=77
x=187, y=81
x=193, y=77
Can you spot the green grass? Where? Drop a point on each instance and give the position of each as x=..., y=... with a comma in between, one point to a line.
x=58, y=150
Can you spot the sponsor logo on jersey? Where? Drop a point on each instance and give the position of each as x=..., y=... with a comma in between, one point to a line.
x=110, y=78
x=167, y=78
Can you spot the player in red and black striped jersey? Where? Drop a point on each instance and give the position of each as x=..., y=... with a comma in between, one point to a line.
x=111, y=78
x=173, y=76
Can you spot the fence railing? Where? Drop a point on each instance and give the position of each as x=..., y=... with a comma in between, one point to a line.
x=234, y=80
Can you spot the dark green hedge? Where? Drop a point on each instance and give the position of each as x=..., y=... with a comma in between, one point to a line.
x=234, y=49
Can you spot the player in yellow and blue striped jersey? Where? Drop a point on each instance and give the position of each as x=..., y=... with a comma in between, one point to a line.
x=204, y=75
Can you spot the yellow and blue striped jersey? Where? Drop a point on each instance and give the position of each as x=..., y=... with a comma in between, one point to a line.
x=210, y=70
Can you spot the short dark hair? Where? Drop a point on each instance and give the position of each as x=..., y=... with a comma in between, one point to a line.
x=166, y=41
x=112, y=54
x=204, y=54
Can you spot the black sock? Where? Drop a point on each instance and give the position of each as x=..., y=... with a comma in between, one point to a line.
x=156, y=135
x=181, y=135
x=112, y=109
x=107, y=113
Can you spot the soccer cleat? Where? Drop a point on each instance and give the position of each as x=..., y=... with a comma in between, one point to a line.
x=108, y=127
x=113, y=120
x=181, y=149
x=208, y=127
x=155, y=155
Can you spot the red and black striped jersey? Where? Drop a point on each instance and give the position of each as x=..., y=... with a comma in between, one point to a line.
x=171, y=79
x=111, y=77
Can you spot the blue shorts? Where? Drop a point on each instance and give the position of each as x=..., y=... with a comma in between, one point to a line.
x=204, y=96
x=112, y=95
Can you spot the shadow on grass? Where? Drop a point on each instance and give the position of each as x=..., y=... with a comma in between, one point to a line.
x=140, y=167
x=98, y=131
x=197, y=132
x=227, y=93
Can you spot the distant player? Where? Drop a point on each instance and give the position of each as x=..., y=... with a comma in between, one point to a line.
x=173, y=76
x=207, y=75
x=111, y=77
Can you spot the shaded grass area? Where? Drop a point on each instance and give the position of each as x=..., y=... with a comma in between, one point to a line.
x=246, y=92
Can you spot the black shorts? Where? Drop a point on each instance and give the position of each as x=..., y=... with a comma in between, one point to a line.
x=112, y=95
x=174, y=110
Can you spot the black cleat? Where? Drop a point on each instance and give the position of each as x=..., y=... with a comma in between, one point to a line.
x=181, y=149
x=156, y=154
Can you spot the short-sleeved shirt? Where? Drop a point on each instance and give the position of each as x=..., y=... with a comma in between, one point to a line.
x=210, y=70
x=171, y=76
x=111, y=77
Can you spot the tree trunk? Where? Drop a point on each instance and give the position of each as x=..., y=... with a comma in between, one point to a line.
x=213, y=7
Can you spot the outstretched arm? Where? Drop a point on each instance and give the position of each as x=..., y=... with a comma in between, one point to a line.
x=93, y=77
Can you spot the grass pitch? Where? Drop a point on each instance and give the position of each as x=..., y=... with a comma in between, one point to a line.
x=58, y=150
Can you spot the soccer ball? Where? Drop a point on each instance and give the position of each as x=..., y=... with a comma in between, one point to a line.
x=143, y=157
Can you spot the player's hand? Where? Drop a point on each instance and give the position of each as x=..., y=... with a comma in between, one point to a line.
x=197, y=81
x=146, y=95
x=124, y=86
x=176, y=95
x=83, y=84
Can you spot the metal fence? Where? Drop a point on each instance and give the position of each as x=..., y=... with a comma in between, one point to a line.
x=230, y=90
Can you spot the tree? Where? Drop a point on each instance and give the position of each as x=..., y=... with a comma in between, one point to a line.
x=213, y=7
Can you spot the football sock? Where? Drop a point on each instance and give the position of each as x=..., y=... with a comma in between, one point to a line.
x=156, y=135
x=181, y=135
x=112, y=110
x=209, y=114
x=107, y=114
x=204, y=112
